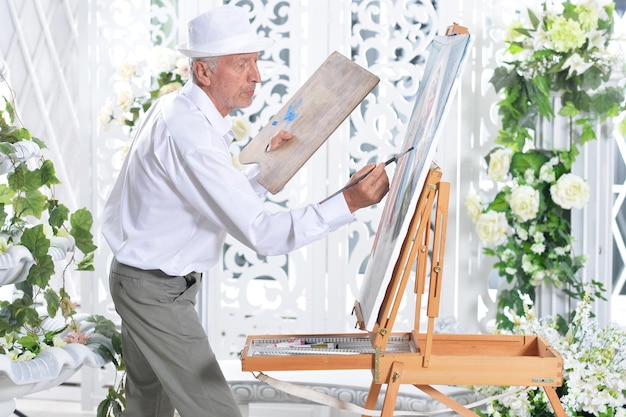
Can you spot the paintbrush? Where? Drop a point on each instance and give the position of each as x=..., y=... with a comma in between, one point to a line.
x=362, y=177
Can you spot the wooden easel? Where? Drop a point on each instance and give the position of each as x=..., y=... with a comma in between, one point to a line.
x=430, y=359
x=398, y=371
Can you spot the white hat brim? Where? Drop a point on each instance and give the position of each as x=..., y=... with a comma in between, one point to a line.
x=253, y=45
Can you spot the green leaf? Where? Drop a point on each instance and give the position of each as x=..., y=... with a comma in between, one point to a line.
x=608, y=101
x=499, y=203
x=104, y=351
x=6, y=147
x=30, y=342
x=534, y=20
x=86, y=264
x=502, y=77
x=47, y=174
x=39, y=274
x=540, y=95
x=621, y=128
x=38, y=244
x=36, y=241
x=57, y=215
x=569, y=110
x=6, y=194
x=81, y=222
x=104, y=326
x=53, y=302
x=588, y=133
x=32, y=203
x=523, y=161
x=23, y=179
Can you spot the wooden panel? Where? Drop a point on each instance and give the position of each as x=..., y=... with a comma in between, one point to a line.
x=476, y=370
x=311, y=115
x=455, y=359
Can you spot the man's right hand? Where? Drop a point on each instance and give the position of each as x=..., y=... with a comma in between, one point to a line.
x=370, y=190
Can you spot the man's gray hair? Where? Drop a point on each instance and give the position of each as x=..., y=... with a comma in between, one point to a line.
x=211, y=62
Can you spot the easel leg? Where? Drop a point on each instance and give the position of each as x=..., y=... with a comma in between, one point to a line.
x=447, y=401
x=393, y=385
x=372, y=396
x=554, y=401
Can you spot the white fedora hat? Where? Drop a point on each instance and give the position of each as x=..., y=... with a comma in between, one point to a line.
x=224, y=30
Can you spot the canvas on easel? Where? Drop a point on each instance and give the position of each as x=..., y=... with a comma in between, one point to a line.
x=404, y=240
x=446, y=56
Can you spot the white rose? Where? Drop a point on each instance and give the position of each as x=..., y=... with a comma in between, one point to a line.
x=499, y=164
x=524, y=202
x=473, y=205
x=124, y=95
x=240, y=127
x=182, y=68
x=105, y=115
x=570, y=191
x=168, y=88
x=161, y=59
x=492, y=227
x=127, y=70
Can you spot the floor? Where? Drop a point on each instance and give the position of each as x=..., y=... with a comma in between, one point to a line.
x=47, y=408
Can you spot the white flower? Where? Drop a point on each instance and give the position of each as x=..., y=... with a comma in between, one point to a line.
x=127, y=70
x=529, y=176
x=492, y=227
x=58, y=341
x=510, y=271
x=566, y=34
x=524, y=202
x=521, y=232
x=562, y=251
x=124, y=93
x=240, y=127
x=105, y=115
x=161, y=59
x=570, y=191
x=182, y=68
x=538, y=248
x=546, y=173
x=4, y=246
x=473, y=204
x=576, y=65
x=527, y=264
x=25, y=356
x=507, y=256
x=499, y=164
x=168, y=88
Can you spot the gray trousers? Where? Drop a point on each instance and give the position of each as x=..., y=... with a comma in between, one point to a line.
x=169, y=363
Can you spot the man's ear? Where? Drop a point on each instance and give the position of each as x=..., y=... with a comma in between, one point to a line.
x=202, y=72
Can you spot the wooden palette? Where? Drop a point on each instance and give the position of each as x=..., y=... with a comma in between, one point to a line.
x=311, y=116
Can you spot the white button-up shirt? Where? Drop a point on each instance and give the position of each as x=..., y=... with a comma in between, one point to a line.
x=178, y=194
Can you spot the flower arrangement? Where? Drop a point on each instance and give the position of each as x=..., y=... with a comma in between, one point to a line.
x=32, y=218
x=37, y=232
x=558, y=63
x=594, y=367
x=136, y=90
x=565, y=48
x=138, y=85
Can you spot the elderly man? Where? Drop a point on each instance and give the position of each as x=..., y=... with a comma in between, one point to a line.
x=175, y=199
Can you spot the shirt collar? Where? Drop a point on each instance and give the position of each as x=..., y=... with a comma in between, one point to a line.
x=222, y=124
